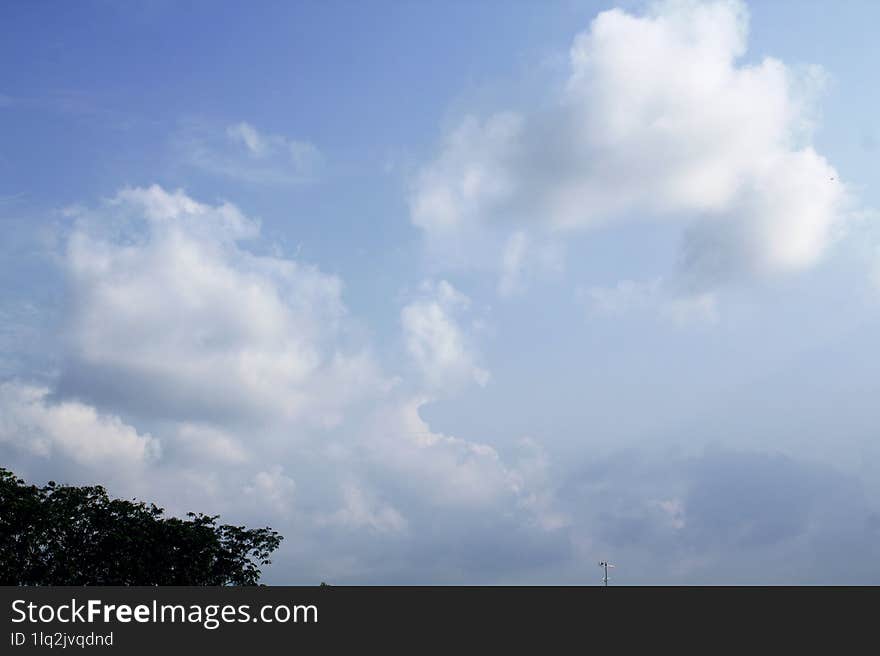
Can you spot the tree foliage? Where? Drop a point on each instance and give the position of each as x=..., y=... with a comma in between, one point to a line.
x=66, y=535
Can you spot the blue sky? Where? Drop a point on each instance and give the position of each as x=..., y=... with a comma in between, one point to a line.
x=454, y=292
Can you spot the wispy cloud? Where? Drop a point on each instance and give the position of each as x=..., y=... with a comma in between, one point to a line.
x=73, y=103
x=242, y=152
x=654, y=296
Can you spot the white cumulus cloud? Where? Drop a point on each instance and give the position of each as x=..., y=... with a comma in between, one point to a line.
x=661, y=118
x=33, y=423
x=435, y=340
x=175, y=318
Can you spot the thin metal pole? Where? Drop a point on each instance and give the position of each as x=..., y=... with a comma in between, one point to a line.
x=606, y=565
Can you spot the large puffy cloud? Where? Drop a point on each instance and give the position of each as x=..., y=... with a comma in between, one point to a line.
x=173, y=317
x=660, y=118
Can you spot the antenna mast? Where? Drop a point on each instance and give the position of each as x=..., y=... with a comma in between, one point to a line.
x=606, y=565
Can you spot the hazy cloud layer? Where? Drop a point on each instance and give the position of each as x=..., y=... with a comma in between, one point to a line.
x=653, y=296
x=761, y=517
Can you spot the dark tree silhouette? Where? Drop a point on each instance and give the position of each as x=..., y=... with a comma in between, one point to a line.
x=66, y=535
